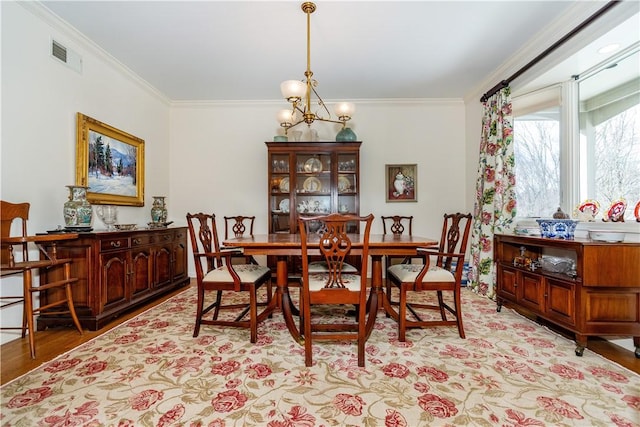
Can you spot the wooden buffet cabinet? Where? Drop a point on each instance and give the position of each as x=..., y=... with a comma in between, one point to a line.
x=602, y=298
x=118, y=270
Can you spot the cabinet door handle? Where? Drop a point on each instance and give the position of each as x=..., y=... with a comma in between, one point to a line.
x=115, y=244
x=166, y=238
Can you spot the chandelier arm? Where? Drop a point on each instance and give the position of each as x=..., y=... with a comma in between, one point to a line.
x=321, y=102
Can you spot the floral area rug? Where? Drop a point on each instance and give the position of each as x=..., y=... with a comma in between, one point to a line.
x=150, y=371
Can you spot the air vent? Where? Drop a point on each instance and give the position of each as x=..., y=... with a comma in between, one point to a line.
x=67, y=56
x=59, y=51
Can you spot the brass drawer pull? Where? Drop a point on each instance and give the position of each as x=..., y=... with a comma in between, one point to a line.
x=115, y=244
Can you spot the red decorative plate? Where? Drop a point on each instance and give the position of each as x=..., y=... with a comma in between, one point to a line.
x=616, y=210
x=590, y=205
x=636, y=211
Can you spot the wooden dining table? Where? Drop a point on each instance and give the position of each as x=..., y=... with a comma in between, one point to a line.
x=284, y=245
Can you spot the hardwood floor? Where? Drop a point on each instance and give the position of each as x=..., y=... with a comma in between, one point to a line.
x=15, y=359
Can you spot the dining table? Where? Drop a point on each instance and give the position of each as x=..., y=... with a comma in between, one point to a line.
x=284, y=245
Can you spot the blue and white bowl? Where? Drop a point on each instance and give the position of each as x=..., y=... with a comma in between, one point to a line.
x=557, y=228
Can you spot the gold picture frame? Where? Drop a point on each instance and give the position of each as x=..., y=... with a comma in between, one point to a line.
x=401, y=183
x=110, y=163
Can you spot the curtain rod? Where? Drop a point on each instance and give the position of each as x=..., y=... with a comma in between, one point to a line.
x=534, y=61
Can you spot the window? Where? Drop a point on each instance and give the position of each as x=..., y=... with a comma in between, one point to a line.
x=607, y=144
x=536, y=135
x=610, y=134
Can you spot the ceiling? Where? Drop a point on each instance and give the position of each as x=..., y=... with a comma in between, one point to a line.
x=242, y=50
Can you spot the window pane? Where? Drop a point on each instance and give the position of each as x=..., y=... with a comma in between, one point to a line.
x=537, y=163
x=610, y=135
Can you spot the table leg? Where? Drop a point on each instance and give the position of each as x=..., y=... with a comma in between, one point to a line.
x=376, y=291
x=282, y=294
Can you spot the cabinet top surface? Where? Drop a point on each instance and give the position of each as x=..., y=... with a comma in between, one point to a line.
x=545, y=241
x=314, y=144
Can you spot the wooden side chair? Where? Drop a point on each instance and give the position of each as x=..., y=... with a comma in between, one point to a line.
x=396, y=225
x=216, y=272
x=445, y=275
x=25, y=267
x=335, y=286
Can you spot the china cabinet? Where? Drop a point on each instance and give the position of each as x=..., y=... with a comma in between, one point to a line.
x=311, y=178
x=600, y=297
x=118, y=270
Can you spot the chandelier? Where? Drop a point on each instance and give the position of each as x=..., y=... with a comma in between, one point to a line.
x=299, y=94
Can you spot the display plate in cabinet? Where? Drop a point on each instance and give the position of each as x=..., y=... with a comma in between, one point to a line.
x=344, y=184
x=284, y=185
x=312, y=185
x=313, y=165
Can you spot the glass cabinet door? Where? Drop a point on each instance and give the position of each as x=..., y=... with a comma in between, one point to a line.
x=311, y=178
x=313, y=183
x=279, y=203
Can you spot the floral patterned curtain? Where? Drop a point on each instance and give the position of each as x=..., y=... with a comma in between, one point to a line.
x=495, y=205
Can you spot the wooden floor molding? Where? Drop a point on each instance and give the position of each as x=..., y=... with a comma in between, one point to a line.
x=16, y=361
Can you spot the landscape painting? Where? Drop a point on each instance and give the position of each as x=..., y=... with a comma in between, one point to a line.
x=110, y=162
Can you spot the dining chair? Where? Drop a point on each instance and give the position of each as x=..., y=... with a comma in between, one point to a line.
x=217, y=273
x=237, y=226
x=25, y=267
x=444, y=275
x=396, y=225
x=334, y=286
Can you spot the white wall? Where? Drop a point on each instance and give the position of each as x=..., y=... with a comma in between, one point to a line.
x=40, y=99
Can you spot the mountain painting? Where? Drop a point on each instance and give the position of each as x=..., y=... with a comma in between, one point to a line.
x=112, y=166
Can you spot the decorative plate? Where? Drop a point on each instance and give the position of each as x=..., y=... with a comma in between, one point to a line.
x=590, y=206
x=284, y=205
x=313, y=165
x=312, y=185
x=636, y=211
x=284, y=185
x=343, y=183
x=615, y=212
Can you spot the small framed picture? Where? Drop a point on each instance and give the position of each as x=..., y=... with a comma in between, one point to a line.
x=110, y=162
x=401, y=183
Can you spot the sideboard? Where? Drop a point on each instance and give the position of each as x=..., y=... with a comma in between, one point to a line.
x=118, y=270
x=601, y=298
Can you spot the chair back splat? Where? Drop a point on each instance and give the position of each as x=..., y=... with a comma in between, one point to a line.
x=437, y=269
x=239, y=226
x=57, y=282
x=334, y=287
x=396, y=225
x=217, y=274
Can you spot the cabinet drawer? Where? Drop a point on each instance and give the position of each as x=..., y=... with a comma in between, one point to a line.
x=161, y=238
x=114, y=244
x=140, y=240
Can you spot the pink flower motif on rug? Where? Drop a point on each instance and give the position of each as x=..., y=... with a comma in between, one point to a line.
x=145, y=399
x=555, y=406
x=437, y=406
x=395, y=370
x=394, y=419
x=298, y=417
x=349, y=404
x=29, y=397
x=228, y=401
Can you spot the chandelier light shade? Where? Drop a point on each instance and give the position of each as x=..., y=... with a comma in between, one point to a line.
x=300, y=93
